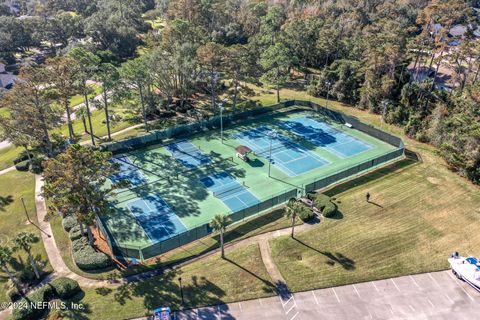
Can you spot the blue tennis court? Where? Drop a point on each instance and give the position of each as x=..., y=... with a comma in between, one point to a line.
x=323, y=135
x=156, y=217
x=187, y=154
x=227, y=189
x=288, y=156
x=127, y=172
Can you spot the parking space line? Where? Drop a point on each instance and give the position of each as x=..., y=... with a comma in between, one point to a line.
x=240, y=306
x=358, y=294
x=284, y=304
x=449, y=299
x=261, y=303
x=391, y=309
x=456, y=281
x=431, y=303
x=375, y=286
x=313, y=292
x=338, y=299
x=411, y=307
x=415, y=282
x=296, y=314
x=395, y=285
x=287, y=312
x=436, y=282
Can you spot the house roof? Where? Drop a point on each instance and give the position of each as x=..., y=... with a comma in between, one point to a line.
x=243, y=150
x=2, y=67
x=458, y=30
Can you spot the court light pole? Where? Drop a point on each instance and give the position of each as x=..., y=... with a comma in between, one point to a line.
x=328, y=83
x=221, y=120
x=272, y=134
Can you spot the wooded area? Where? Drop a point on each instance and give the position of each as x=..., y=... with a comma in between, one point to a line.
x=161, y=56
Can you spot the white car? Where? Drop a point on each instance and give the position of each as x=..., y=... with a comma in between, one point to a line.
x=466, y=269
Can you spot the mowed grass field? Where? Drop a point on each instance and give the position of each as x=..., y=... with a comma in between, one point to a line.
x=13, y=186
x=419, y=213
x=206, y=282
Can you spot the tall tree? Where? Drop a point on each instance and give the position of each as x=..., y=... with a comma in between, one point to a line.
x=109, y=76
x=86, y=64
x=24, y=241
x=31, y=113
x=291, y=210
x=134, y=74
x=237, y=64
x=74, y=183
x=5, y=259
x=211, y=57
x=62, y=78
x=276, y=62
x=220, y=223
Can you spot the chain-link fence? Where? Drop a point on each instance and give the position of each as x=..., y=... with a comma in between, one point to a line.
x=203, y=230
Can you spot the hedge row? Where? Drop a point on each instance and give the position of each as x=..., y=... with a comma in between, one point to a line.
x=84, y=254
x=324, y=203
x=61, y=288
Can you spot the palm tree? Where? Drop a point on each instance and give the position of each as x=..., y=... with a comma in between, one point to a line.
x=291, y=212
x=24, y=241
x=5, y=259
x=220, y=223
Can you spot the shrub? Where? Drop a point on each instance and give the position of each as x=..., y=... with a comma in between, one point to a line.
x=68, y=223
x=23, y=166
x=329, y=210
x=37, y=166
x=65, y=288
x=60, y=288
x=324, y=203
x=75, y=233
x=89, y=259
x=13, y=294
x=79, y=244
x=25, y=311
x=21, y=158
x=305, y=213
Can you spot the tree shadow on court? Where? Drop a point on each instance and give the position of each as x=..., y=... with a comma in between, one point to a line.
x=345, y=262
x=5, y=201
x=256, y=163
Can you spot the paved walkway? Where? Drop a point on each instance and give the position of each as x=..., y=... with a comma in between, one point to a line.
x=7, y=170
x=436, y=295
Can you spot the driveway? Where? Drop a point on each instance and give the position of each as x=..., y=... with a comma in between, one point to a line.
x=436, y=295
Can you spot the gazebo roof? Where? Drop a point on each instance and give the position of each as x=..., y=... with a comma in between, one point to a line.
x=243, y=150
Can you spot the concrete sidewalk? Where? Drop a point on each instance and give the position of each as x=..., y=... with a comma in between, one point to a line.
x=436, y=295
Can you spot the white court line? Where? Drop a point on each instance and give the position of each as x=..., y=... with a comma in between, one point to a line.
x=375, y=286
x=358, y=294
x=338, y=299
x=313, y=292
x=296, y=314
x=395, y=285
x=415, y=282
x=456, y=281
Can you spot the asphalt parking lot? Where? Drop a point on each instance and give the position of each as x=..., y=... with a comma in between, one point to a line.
x=437, y=295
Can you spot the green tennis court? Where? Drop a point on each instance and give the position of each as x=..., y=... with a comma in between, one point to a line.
x=181, y=185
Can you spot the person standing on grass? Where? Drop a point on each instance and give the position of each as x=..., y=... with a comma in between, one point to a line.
x=368, y=196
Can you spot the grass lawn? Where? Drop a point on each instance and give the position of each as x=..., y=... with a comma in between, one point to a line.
x=78, y=98
x=418, y=215
x=209, y=281
x=8, y=154
x=269, y=221
x=13, y=186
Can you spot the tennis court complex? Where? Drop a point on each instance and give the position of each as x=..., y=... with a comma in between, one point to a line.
x=176, y=187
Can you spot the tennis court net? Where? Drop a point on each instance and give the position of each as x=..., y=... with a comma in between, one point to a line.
x=278, y=147
x=228, y=192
